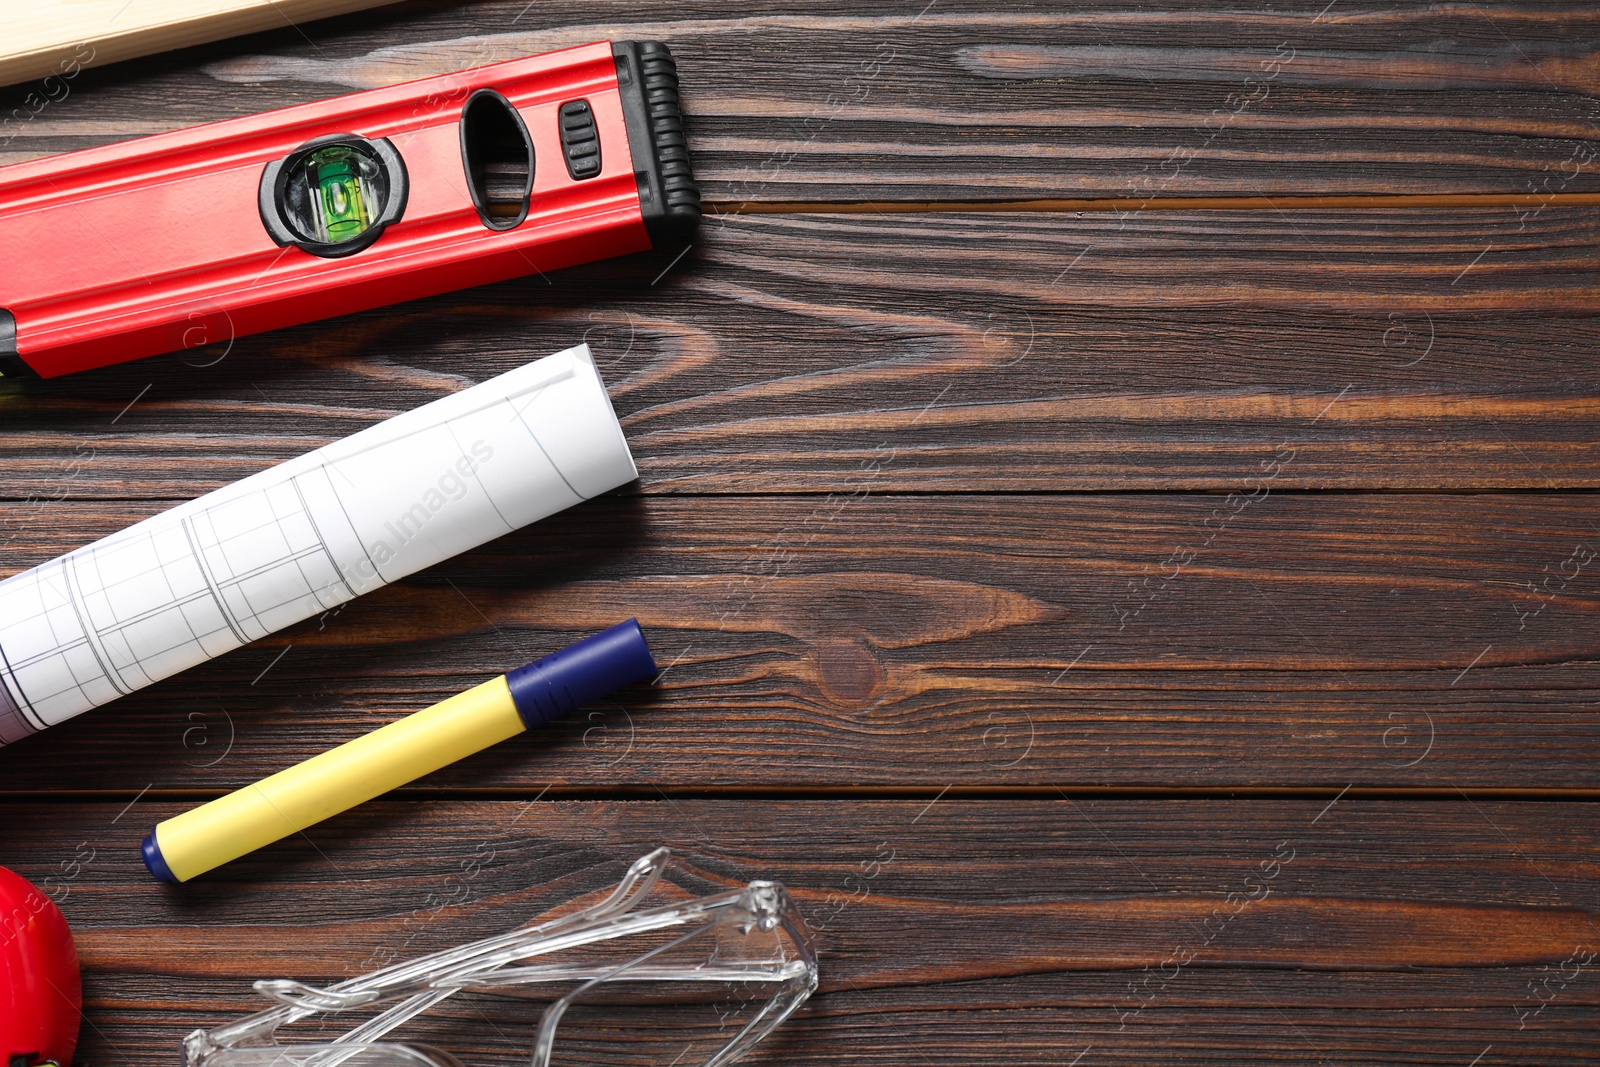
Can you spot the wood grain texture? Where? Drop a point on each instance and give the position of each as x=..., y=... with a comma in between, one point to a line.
x=1355, y=933
x=867, y=101
x=842, y=353
x=936, y=504
x=1152, y=641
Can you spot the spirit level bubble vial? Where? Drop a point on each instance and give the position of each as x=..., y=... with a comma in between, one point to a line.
x=218, y=231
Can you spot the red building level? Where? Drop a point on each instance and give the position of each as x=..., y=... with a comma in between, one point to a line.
x=218, y=231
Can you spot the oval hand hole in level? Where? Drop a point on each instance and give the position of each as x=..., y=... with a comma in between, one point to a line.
x=498, y=156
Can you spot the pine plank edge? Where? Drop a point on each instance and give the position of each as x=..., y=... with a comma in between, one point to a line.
x=45, y=40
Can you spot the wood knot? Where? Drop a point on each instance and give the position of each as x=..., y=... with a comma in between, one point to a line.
x=847, y=671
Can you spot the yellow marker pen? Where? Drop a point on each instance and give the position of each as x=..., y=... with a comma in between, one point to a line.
x=190, y=844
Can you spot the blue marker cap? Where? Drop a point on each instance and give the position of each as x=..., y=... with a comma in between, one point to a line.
x=581, y=673
x=156, y=863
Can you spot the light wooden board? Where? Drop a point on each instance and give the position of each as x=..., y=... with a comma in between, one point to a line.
x=56, y=40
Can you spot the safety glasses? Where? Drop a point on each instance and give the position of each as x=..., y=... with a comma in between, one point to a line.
x=696, y=983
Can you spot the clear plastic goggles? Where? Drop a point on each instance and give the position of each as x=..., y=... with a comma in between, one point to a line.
x=691, y=984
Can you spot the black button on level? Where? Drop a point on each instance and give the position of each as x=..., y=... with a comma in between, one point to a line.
x=580, y=140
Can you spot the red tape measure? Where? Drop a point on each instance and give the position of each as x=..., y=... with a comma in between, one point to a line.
x=41, y=996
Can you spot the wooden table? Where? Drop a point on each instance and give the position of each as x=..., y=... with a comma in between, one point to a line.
x=1117, y=504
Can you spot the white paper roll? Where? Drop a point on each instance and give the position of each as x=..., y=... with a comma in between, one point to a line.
x=305, y=536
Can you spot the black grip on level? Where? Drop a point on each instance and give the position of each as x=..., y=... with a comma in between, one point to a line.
x=580, y=140
x=670, y=200
x=11, y=364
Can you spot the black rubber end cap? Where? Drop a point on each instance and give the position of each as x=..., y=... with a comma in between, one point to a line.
x=647, y=75
x=12, y=365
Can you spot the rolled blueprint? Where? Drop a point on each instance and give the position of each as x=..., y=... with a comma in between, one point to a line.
x=307, y=535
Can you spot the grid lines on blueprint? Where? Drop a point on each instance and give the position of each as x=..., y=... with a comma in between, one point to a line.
x=157, y=598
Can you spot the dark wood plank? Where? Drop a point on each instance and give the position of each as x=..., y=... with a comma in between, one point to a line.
x=825, y=642
x=872, y=100
x=854, y=616
x=845, y=353
x=955, y=932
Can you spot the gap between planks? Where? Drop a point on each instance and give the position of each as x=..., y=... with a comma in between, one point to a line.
x=559, y=793
x=1375, y=202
